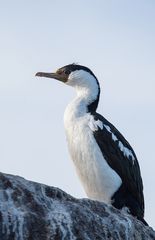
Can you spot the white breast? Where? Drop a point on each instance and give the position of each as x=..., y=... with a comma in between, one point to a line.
x=99, y=180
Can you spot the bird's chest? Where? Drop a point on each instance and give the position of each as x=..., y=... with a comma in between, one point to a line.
x=80, y=142
x=82, y=149
x=98, y=179
x=79, y=136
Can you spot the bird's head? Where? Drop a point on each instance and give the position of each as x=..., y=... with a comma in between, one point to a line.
x=79, y=77
x=73, y=74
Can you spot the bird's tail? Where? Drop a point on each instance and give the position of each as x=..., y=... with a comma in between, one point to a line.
x=143, y=221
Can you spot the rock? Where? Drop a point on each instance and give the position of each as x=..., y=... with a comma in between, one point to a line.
x=34, y=211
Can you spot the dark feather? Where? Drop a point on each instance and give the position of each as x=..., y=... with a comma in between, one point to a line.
x=130, y=194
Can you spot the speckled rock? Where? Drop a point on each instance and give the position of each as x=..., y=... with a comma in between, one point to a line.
x=33, y=211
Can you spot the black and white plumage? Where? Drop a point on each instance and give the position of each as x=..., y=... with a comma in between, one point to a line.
x=105, y=162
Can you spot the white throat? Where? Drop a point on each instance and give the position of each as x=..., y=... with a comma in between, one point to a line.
x=87, y=94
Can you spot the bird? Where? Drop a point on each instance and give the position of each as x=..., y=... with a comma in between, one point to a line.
x=104, y=160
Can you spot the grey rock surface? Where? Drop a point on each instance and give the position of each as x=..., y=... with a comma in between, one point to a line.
x=33, y=211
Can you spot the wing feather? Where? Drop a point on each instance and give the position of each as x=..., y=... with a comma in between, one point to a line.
x=126, y=166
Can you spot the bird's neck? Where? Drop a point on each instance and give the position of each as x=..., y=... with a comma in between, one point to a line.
x=86, y=101
x=88, y=96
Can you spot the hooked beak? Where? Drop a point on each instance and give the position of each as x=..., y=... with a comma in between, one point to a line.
x=55, y=75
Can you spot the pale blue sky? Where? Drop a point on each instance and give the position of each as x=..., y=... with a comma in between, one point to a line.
x=116, y=40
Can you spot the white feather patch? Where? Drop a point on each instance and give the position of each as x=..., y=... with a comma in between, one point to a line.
x=127, y=152
x=94, y=125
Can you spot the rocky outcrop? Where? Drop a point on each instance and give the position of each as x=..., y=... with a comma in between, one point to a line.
x=33, y=211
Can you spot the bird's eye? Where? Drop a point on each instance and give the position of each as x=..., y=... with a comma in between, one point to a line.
x=67, y=72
